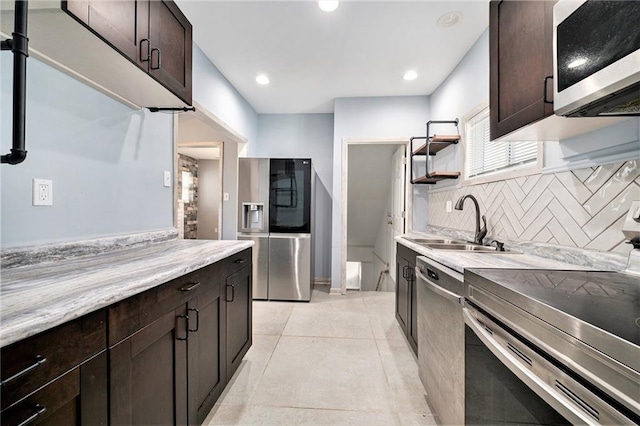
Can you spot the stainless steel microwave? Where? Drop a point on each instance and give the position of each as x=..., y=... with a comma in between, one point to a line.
x=596, y=58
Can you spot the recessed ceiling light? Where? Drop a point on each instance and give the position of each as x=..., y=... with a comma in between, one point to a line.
x=449, y=19
x=577, y=63
x=328, y=6
x=262, y=79
x=410, y=75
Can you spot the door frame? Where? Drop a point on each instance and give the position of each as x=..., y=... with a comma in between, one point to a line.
x=225, y=134
x=344, y=195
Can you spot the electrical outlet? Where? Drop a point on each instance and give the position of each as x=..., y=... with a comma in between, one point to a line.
x=167, y=179
x=42, y=192
x=449, y=209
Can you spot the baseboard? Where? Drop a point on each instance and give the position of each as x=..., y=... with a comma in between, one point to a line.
x=335, y=291
x=321, y=281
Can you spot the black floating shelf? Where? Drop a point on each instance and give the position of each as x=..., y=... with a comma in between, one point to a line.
x=436, y=144
x=435, y=177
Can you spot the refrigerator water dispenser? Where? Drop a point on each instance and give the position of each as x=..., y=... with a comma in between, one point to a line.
x=252, y=215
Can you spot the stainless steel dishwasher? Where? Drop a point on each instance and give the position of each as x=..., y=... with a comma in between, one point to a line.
x=441, y=333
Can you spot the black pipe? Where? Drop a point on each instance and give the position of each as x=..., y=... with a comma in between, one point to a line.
x=19, y=46
x=172, y=109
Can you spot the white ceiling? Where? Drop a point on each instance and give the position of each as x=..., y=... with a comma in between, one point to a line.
x=313, y=57
x=200, y=153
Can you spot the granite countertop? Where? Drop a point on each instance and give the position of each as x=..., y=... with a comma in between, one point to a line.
x=37, y=297
x=460, y=261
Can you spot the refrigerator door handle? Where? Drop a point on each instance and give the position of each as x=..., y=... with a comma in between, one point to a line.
x=289, y=236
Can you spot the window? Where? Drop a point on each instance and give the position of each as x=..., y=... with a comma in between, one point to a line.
x=483, y=156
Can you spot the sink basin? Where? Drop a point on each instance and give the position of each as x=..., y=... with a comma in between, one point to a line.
x=466, y=247
x=434, y=241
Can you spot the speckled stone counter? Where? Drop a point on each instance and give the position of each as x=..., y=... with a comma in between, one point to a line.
x=35, y=298
x=460, y=261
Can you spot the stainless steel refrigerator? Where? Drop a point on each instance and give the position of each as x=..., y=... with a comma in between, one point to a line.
x=275, y=211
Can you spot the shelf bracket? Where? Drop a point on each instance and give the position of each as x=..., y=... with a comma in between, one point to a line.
x=172, y=109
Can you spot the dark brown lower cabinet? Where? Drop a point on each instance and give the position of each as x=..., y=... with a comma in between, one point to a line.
x=148, y=372
x=78, y=397
x=238, y=317
x=173, y=370
x=207, y=375
x=161, y=357
x=406, y=294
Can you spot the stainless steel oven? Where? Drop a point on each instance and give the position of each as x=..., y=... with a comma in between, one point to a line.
x=551, y=347
x=596, y=47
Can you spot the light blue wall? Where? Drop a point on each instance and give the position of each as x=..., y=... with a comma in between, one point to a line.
x=213, y=91
x=304, y=136
x=465, y=89
x=368, y=118
x=105, y=159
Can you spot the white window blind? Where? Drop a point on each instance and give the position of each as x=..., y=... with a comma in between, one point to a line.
x=483, y=156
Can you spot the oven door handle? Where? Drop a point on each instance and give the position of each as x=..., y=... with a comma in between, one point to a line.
x=449, y=295
x=571, y=412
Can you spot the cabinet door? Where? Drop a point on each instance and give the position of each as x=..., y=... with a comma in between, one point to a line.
x=148, y=373
x=123, y=24
x=238, y=297
x=206, y=351
x=521, y=57
x=171, y=48
x=412, y=332
x=402, y=293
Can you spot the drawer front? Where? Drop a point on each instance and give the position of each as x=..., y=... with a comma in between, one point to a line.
x=234, y=263
x=29, y=364
x=56, y=403
x=132, y=314
x=407, y=253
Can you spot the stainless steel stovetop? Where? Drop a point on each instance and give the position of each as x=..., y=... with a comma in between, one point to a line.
x=609, y=301
x=590, y=320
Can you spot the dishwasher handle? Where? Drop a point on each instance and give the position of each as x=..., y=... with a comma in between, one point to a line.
x=449, y=295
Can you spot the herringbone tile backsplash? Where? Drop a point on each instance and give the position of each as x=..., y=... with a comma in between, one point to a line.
x=580, y=208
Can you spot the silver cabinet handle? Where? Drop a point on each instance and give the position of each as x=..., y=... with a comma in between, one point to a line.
x=39, y=410
x=449, y=295
x=39, y=361
x=190, y=286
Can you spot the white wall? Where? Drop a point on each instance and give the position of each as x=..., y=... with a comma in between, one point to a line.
x=304, y=136
x=209, y=196
x=105, y=159
x=368, y=118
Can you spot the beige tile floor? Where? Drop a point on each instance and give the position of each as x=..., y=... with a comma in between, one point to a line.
x=338, y=360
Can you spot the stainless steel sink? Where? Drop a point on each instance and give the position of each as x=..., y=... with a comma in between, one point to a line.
x=466, y=247
x=423, y=241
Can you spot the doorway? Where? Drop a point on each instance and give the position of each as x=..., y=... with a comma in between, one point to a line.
x=199, y=190
x=205, y=172
x=374, y=205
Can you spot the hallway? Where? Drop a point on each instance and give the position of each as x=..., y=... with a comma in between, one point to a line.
x=338, y=360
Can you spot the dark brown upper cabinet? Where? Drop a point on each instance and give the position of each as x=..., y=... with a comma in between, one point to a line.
x=137, y=51
x=170, y=48
x=521, y=58
x=124, y=25
x=154, y=35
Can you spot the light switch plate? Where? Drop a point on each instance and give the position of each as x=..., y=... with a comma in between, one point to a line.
x=42, y=192
x=225, y=196
x=449, y=209
x=167, y=179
